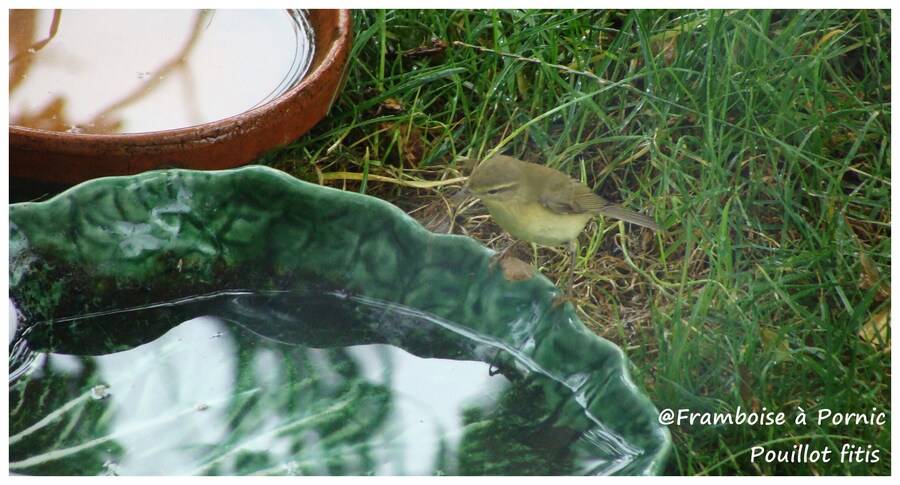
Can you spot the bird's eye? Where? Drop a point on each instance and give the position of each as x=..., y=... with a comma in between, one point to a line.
x=493, y=191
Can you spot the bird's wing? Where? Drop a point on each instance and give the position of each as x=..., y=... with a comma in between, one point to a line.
x=575, y=198
x=571, y=197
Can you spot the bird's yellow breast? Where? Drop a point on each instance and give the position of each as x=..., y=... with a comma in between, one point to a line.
x=532, y=222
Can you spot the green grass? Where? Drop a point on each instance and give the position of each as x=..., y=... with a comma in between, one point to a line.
x=760, y=139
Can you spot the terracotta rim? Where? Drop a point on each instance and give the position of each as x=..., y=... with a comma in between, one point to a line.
x=51, y=156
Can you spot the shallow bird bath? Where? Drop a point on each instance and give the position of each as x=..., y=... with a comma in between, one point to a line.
x=245, y=322
x=95, y=93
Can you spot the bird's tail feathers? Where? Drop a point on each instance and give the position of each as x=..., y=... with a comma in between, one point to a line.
x=630, y=216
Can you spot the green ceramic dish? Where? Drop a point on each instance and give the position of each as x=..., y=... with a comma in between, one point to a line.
x=245, y=322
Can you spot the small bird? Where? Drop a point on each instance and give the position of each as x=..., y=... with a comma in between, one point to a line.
x=538, y=204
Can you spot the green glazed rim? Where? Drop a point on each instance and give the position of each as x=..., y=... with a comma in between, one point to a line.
x=178, y=229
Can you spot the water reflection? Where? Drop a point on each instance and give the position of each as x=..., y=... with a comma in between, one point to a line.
x=198, y=401
x=430, y=396
x=171, y=397
x=131, y=71
x=294, y=382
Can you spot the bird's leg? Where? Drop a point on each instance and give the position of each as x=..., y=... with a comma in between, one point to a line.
x=573, y=249
x=559, y=300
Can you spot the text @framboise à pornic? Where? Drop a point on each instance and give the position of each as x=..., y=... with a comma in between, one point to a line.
x=798, y=453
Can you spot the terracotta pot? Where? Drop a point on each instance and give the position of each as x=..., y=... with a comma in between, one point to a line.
x=70, y=158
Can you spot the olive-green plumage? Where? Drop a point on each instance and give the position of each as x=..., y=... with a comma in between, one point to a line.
x=541, y=205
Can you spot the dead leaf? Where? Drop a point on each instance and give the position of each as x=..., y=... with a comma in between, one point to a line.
x=877, y=330
x=514, y=269
x=412, y=148
x=871, y=276
x=410, y=142
x=392, y=104
x=436, y=49
x=668, y=48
